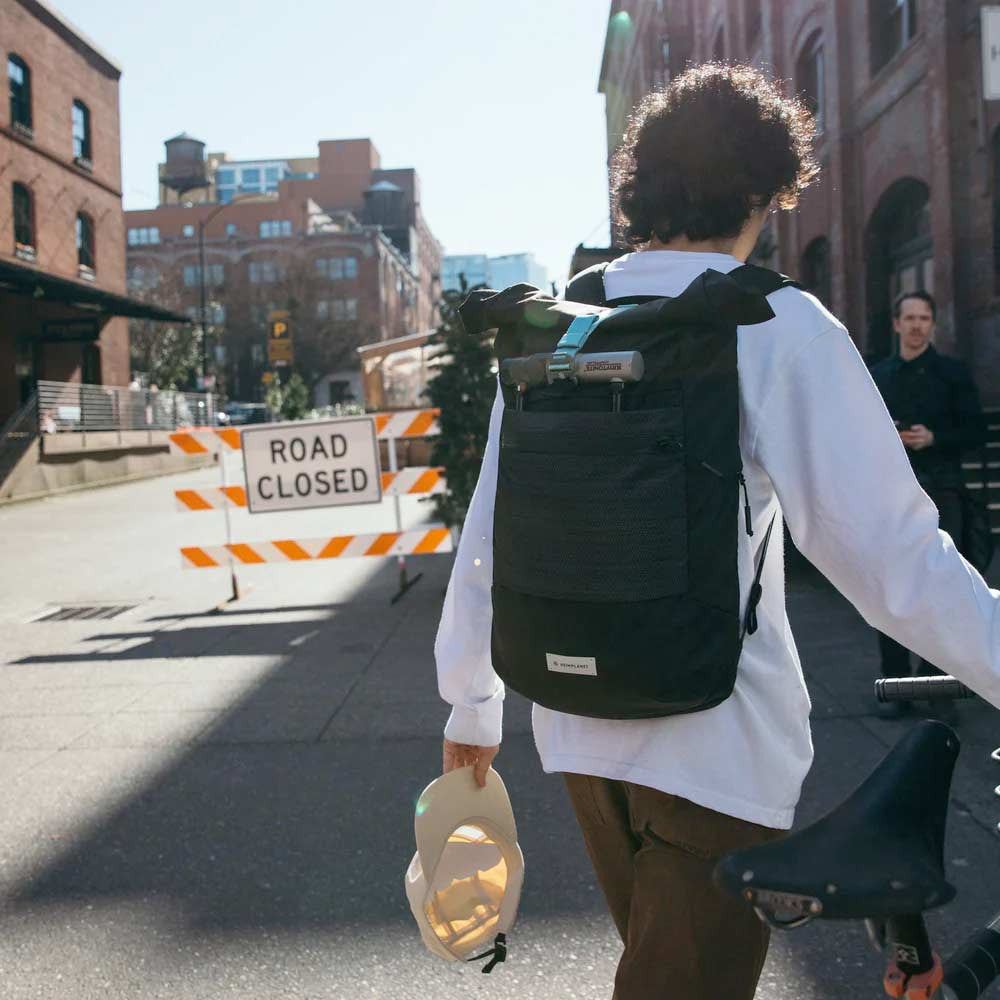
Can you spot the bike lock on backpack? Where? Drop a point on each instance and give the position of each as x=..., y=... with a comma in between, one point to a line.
x=615, y=585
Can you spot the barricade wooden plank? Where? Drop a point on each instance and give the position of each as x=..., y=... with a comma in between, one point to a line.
x=407, y=482
x=429, y=538
x=209, y=440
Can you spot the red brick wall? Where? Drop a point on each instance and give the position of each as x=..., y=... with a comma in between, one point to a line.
x=921, y=116
x=63, y=70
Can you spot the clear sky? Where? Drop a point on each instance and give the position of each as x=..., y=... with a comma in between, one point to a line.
x=494, y=103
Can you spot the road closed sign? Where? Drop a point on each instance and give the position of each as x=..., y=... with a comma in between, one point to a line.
x=323, y=463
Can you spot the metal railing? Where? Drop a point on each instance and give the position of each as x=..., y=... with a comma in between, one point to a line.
x=73, y=406
x=982, y=469
x=16, y=436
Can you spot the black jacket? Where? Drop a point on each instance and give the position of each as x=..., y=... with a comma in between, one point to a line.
x=938, y=392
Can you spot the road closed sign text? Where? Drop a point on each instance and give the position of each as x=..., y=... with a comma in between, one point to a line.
x=311, y=464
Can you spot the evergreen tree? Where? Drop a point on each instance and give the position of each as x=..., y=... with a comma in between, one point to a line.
x=464, y=390
x=289, y=400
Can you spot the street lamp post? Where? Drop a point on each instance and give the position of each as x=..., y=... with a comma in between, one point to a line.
x=201, y=303
x=202, y=223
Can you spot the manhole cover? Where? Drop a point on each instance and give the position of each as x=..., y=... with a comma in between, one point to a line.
x=90, y=612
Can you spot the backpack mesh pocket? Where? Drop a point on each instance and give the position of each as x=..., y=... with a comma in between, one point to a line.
x=592, y=506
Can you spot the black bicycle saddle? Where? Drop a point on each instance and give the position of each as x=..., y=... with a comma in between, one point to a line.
x=879, y=853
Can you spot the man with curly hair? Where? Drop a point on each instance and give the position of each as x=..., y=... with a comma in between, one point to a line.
x=660, y=800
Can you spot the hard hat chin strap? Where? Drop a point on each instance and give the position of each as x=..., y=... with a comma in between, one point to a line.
x=496, y=954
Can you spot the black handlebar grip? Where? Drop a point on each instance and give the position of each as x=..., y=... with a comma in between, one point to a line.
x=969, y=972
x=920, y=689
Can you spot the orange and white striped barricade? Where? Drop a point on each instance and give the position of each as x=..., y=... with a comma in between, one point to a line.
x=204, y=440
x=411, y=481
x=388, y=427
x=274, y=441
x=428, y=538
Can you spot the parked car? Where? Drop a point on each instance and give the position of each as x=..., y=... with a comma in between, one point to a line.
x=247, y=413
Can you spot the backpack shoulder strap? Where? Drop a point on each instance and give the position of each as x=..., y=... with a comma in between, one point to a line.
x=588, y=286
x=761, y=280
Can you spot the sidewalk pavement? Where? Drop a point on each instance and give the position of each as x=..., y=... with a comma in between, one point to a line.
x=220, y=805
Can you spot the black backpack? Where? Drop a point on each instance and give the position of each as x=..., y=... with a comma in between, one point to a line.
x=615, y=583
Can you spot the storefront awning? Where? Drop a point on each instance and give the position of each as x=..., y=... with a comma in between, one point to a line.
x=24, y=280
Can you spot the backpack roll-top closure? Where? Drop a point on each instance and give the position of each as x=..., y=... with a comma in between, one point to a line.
x=616, y=591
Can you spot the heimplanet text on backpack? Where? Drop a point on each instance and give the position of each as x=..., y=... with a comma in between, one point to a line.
x=615, y=585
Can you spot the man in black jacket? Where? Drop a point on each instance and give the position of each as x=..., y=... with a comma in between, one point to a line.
x=934, y=402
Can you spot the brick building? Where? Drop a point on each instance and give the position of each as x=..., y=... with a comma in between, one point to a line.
x=910, y=190
x=335, y=239
x=62, y=257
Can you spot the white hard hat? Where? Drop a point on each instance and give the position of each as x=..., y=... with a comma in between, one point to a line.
x=464, y=882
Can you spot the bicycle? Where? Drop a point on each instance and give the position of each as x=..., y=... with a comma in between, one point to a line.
x=894, y=824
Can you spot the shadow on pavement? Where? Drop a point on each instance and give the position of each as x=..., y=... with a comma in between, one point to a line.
x=293, y=806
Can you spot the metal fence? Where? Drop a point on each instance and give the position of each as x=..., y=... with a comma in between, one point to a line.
x=73, y=406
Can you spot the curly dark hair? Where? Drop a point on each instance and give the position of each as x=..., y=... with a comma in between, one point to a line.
x=700, y=156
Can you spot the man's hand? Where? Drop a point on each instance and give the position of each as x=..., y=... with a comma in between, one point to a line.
x=917, y=437
x=464, y=754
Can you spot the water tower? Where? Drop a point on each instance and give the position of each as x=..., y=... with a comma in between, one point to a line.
x=185, y=166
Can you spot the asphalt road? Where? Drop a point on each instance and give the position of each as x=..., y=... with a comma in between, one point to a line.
x=203, y=805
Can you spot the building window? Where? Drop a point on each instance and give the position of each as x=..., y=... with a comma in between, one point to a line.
x=719, y=48
x=809, y=78
x=24, y=223
x=816, y=269
x=271, y=177
x=215, y=275
x=996, y=211
x=85, y=256
x=337, y=267
x=143, y=235
x=265, y=272
x=81, y=134
x=892, y=23
x=338, y=309
x=225, y=178
x=188, y=231
x=19, y=77
x=275, y=227
x=232, y=229
x=754, y=22
x=250, y=178
x=899, y=256
x=140, y=277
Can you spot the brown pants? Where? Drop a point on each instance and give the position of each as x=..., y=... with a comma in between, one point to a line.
x=653, y=855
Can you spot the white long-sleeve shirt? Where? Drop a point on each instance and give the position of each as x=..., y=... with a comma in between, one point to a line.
x=818, y=448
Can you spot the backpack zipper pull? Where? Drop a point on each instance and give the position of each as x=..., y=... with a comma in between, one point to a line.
x=746, y=505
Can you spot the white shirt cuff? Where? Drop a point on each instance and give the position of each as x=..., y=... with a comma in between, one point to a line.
x=480, y=726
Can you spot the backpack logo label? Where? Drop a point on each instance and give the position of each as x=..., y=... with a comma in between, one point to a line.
x=584, y=665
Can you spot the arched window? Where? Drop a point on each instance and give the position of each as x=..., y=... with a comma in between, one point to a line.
x=815, y=271
x=24, y=222
x=891, y=25
x=809, y=77
x=81, y=132
x=19, y=80
x=899, y=256
x=85, y=243
x=719, y=48
x=753, y=20
x=996, y=211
